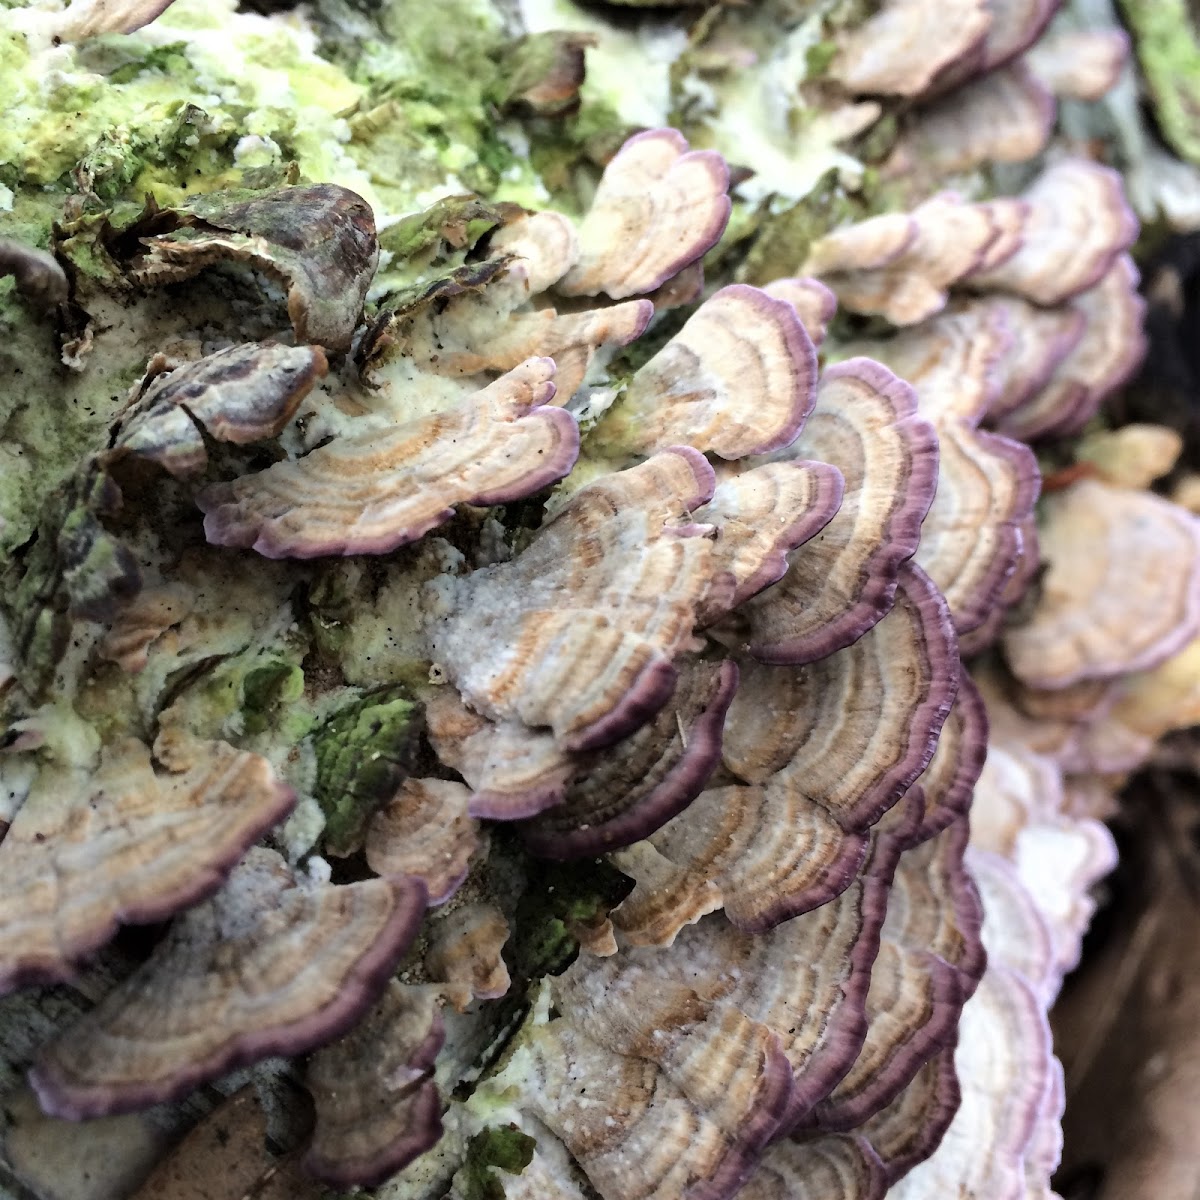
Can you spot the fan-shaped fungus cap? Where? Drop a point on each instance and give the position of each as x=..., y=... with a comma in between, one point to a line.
x=424, y=831
x=319, y=240
x=85, y=19
x=494, y=328
x=793, y=837
x=659, y=207
x=814, y=303
x=906, y=1131
x=40, y=280
x=625, y=792
x=1122, y=592
x=866, y=424
x=465, y=954
x=869, y=245
x=129, y=845
x=953, y=360
x=377, y=1106
x=546, y=243
x=1152, y=703
x=1039, y=339
x=971, y=537
x=1133, y=456
x=1015, y=26
x=1003, y=1063
x=900, y=49
x=950, y=242
x=513, y=771
x=761, y=515
x=264, y=967
x=948, y=781
x=636, y=569
x=1082, y=64
x=1005, y=116
x=246, y=393
x=1019, y=812
x=372, y=491
x=1109, y=350
x=930, y=958
x=1078, y=224
x=542, y=73
x=1015, y=933
x=737, y=379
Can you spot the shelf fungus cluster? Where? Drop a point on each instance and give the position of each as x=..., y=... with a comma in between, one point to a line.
x=687, y=620
x=507, y=699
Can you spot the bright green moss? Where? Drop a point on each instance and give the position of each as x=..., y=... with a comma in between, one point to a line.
x=548, y=917
x=363, y=753
x=1169, y=54
x=267, y=691
x=503, y=1148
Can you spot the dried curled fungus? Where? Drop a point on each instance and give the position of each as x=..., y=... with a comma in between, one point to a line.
x=39, y=278
x=247, y=393
x=318, y=240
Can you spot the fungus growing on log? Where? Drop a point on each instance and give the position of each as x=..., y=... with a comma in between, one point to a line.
x=631, y=747
x=266, y=966
x=1136, y=558
x=498, y=445
x=127, y=845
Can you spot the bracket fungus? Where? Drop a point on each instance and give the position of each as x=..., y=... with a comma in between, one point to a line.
x=127, y=845
x=1005, y=116
x=1078, y=223
x=498, y=445
x=83, y=19
x=563, y=737
x=902, y=48
x=865, y=423
x=737, y=379
x=39, y=278
x=266, y=966
x=1136, y=558
x=1080, y=64
x=658, y=208
x=318, y=241
x=246, y=393
x=377, y=1106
